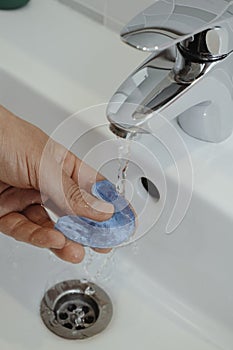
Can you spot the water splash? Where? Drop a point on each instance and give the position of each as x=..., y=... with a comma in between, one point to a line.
x=89, y=291
x=107, y=267
x=99, y=267
x=135, y=248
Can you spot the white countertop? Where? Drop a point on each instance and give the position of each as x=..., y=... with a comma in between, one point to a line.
x=64, y=54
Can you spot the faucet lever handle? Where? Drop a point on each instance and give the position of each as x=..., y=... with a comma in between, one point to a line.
x=169, y=22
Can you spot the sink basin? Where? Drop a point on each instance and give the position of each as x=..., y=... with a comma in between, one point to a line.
x=175, y=289
x=169, y=291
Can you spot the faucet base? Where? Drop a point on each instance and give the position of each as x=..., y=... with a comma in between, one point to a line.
x=202, y=121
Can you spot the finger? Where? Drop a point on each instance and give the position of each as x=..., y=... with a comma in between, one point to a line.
x=95, y=208
x=74, y=167
x=78, y=170
x=16, y=199
x=68, y=196
x=19, y=227
x=3, y=187
x=37, y=214
x=102, y=250
x=71, y=252
x=59, y=185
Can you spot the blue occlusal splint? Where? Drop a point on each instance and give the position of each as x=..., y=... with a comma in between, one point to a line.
x=105, y=234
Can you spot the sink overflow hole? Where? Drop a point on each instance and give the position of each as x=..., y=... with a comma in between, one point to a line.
x=150, y=188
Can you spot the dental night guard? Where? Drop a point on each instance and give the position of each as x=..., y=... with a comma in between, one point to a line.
x=106, y=234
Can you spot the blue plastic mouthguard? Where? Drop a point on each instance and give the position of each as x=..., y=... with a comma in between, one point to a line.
x=106, y=234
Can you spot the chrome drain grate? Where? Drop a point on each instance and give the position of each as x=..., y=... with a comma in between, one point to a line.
x=76, y=309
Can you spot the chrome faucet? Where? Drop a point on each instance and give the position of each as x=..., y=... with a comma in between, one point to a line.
x=188, y=76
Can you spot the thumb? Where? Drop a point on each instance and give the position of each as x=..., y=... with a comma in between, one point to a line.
x=83, y=203
x=55, y=184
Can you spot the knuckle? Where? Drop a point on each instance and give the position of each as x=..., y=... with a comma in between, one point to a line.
x=16, y=228
x=37, y=238
x=74, y=195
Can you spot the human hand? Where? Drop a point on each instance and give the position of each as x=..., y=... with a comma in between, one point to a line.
x=22, y=181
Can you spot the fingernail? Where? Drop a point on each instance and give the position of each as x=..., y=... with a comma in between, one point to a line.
x=97, y=204
x=102, y=206
x=58, y=240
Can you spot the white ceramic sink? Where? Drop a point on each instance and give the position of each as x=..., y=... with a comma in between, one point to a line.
x=146, y=288
x=176, y=291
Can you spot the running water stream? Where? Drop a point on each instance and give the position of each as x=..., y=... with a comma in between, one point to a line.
x=124, y=150
x=96, y=267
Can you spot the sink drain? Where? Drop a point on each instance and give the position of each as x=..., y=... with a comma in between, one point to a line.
x=76, y=309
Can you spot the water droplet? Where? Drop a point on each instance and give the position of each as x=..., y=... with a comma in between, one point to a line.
x=89, y=291
x=135, y=248
x=83, y=280
x=54, y=322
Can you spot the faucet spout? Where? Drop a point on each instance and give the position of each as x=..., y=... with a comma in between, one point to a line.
x=143, y=92
x=119, y=131
x=188, y=75
x=181, y=88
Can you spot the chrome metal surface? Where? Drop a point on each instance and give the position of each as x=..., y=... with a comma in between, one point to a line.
x=196, y=42
x=124, y=133
x=187, y=70
x=166, y=23
x=149, y=89
x=209, y=45
x=76, y=309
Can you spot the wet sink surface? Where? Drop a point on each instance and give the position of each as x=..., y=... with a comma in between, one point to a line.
x=138, y=319
x=152, y=290
x=175, y=291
